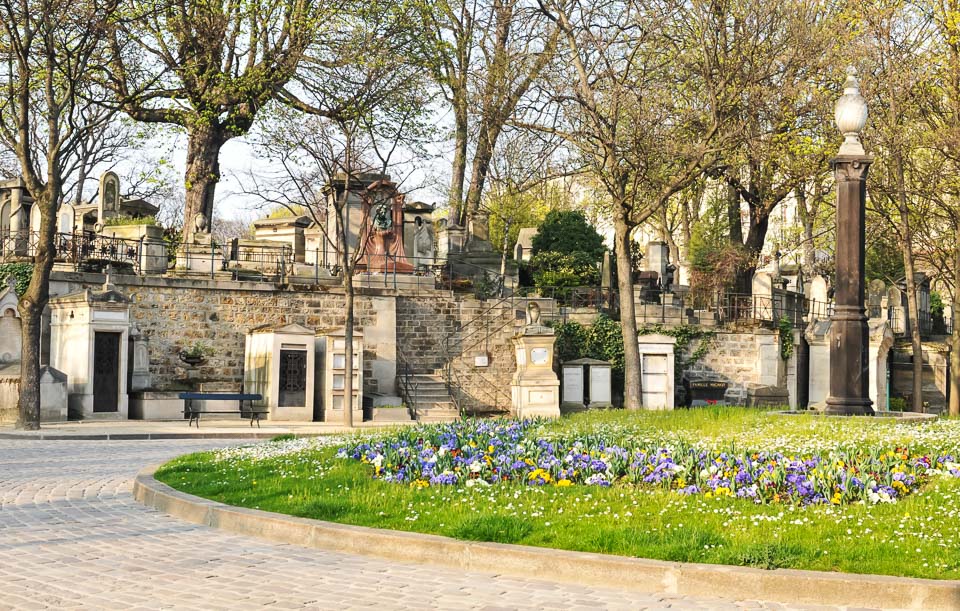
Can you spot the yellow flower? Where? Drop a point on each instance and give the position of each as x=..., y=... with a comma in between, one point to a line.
x=564, y=483
x=541, y=474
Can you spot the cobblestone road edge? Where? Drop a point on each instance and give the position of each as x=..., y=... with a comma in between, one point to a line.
x=785, y=586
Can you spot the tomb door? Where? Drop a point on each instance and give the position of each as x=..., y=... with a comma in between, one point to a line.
x=106, y=371
x=654, y=383
x=293, y=378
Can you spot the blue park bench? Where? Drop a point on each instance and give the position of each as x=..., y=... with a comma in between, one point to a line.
x=194, y=413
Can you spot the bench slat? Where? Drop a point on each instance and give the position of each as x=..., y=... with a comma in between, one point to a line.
x=214, y=396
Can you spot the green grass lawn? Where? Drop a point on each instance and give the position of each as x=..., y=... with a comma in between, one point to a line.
x=917, y=536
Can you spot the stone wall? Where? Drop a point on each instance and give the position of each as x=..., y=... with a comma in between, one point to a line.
x=747, y=361
x=474, y=328
x=175, y=313
x=423, y=324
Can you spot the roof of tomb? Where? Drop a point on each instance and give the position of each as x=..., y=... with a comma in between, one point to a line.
x=418, y=207
x=587, y=361
x=525, y=237
x=283, y=329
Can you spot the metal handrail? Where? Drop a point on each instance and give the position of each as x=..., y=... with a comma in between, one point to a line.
x=406, y=377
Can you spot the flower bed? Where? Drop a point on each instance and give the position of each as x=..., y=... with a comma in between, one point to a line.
x=504, y=451
x=918, y=535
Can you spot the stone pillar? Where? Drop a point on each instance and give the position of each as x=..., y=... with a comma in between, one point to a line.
x=535, y=389
x=849, y=338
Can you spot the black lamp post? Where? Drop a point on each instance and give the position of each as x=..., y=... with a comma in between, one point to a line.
x=849, y=333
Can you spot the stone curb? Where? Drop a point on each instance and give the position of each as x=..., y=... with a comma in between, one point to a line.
x=786, y=586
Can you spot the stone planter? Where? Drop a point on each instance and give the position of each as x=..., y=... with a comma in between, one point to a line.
x=193, y=360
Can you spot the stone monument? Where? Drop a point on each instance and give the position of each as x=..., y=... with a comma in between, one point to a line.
x=656, y=371
x=200, y=254
x=382, y=227
x=108, y=202
x=535, y=389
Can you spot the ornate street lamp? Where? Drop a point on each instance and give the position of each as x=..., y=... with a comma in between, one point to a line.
x=849, y=333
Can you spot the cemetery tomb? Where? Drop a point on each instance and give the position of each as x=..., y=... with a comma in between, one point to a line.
x=656, y=371
x=279, y=365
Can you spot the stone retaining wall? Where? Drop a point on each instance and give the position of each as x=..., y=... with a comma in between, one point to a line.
x=176, y=312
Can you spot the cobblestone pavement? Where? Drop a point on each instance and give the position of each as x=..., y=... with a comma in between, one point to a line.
x=72, y=536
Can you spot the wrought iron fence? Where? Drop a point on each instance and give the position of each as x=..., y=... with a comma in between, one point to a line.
x=86, y=251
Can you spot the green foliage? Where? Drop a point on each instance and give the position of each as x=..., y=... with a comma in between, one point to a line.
x=283, y=212
x=197, y=349
x=21, y=271
x=568, y=232
x=785, y=327
x=519, y=210
x=122, y=221
x=936, y=304
x=897, y=404
x=605, y=342
x=685, y=336
x=173, y=238
x=714, y=260
x=484, y=287
x=571, y=341
x=556, y=269
x=499, y=529
x=769, y=555
x=883, y=260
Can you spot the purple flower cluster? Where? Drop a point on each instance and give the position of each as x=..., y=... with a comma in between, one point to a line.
x=498, y=451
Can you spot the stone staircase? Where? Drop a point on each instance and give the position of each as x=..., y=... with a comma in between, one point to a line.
x=428, y=392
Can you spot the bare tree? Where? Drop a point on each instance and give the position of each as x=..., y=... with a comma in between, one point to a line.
x=627, y=102
x=897, y=34
x=50, y=53
x=361, y=113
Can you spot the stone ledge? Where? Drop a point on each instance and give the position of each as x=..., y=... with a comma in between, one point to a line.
x=787, y=586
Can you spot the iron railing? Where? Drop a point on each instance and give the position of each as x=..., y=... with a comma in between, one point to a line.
x=408, y=384
x=86, y=251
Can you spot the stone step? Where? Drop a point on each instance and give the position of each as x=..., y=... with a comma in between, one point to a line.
x=437, y=415
x=392, y=414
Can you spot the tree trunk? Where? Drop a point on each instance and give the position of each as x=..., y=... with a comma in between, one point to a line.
x=348, y=347
x=806, y=218
x=201, y=178
x=733, y=215
x=632, y=398
x=913, y=311
x=955, y=336
x=459, y=168
x=753, y=245
x=31, y=307
x=479, y=169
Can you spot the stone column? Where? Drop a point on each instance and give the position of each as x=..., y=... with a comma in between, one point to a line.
x=849, y=335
